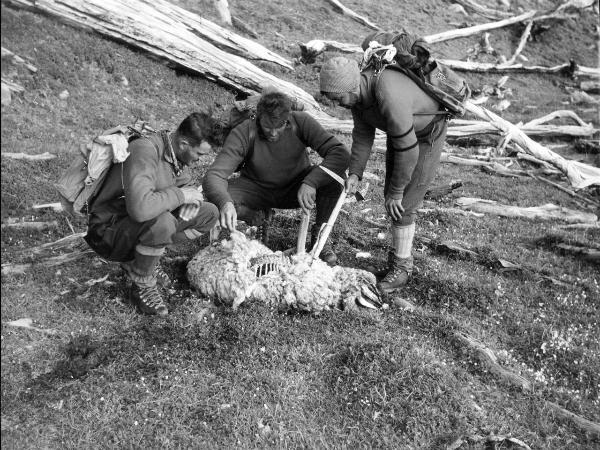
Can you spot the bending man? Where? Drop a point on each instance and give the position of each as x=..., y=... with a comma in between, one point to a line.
x=392, y=102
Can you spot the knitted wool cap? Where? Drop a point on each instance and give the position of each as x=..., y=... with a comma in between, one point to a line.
x=340, y=75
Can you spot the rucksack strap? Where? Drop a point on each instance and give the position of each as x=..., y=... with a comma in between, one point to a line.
x=418, y=81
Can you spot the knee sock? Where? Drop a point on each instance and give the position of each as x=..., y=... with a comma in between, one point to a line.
x=402, y=240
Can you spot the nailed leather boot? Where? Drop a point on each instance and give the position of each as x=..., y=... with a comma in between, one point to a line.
x=148, y=300
x=327, y=254
x=399, y=271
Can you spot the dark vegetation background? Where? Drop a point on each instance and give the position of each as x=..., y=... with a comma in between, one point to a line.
x=104, y=376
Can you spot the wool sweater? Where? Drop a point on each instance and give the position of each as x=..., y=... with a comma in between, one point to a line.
x=274, y=165
x=144, y=186
x=390, y=102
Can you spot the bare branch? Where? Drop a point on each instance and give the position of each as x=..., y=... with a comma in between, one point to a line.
x=41, y=157
x=348, y=12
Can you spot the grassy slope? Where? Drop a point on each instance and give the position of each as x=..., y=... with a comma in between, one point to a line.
x=209, y=377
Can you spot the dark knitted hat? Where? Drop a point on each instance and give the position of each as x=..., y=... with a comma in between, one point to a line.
x=340, y=75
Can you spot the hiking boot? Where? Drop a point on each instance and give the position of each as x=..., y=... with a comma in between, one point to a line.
x=328, y=255
x=399, y=271
x=162, y=278
x=148, y=300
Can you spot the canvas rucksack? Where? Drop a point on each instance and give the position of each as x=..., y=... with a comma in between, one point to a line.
x=239, y=112
x=82, y=180
x=402, y=52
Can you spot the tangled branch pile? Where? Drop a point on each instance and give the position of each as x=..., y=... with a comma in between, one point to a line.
x=239, y=269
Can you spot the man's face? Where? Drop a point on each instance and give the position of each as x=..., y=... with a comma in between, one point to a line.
x=345, y=99
x=191, y=154
x=272, y=128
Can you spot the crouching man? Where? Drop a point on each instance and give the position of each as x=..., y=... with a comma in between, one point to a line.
x=148, y=203
x=276, y=171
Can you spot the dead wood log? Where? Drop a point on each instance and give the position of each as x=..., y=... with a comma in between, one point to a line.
x=588, y=426
x=569, y=68
x=587, y=253
x=559, y=13
x=522, y=42
x=580, y=175
x=348, y=12
x=41, y=157
x=571, y=192
x=47, y=262
x=544, y=212
x=490, y=361
x=591, y=86
x=579, y=226
x=311, y=49
x=168, y=31
x=37, y=226
x=17, y=59
x=483, y=11
x=12, y=86
x=57, y=206
x=437, y=192
x=73, y=241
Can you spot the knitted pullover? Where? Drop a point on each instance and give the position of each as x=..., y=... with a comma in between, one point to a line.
x=389, y=102
x=275, y=165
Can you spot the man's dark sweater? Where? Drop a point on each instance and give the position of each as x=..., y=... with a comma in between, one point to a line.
x=274, y=165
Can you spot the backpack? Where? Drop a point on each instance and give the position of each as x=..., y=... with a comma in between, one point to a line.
x=81, y=182
x=402, y=52
x=239, y=112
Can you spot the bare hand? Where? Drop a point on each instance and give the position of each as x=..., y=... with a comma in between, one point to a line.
x=192, y=195
x=189, y=211
x=228, y=216
x=393, y=206
x=352, y=183
x=307, y=196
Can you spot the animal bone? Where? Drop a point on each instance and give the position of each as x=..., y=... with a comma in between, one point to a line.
x=239, y=270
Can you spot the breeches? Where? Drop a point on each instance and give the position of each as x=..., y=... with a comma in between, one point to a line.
x=250, y=198
x=117, y=240
x=430, y=150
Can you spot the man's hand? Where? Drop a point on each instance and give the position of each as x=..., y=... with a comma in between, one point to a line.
x=307, y=196
x=192, y=195
x=228, y=216
x=352, y=184
x=189, y=211
x=393, y=206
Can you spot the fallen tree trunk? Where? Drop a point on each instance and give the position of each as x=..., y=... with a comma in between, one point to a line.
x=569, y=68
x=535, y=16
x=159, y=25
x=580, y=175
x=536, y=127
x=311, y=49
x=544, y=212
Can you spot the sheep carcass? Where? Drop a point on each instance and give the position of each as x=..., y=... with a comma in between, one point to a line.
x=241, y=269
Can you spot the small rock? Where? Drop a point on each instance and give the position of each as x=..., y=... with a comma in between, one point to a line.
x=124, y=81
x=64, y=95
x=6, y=95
